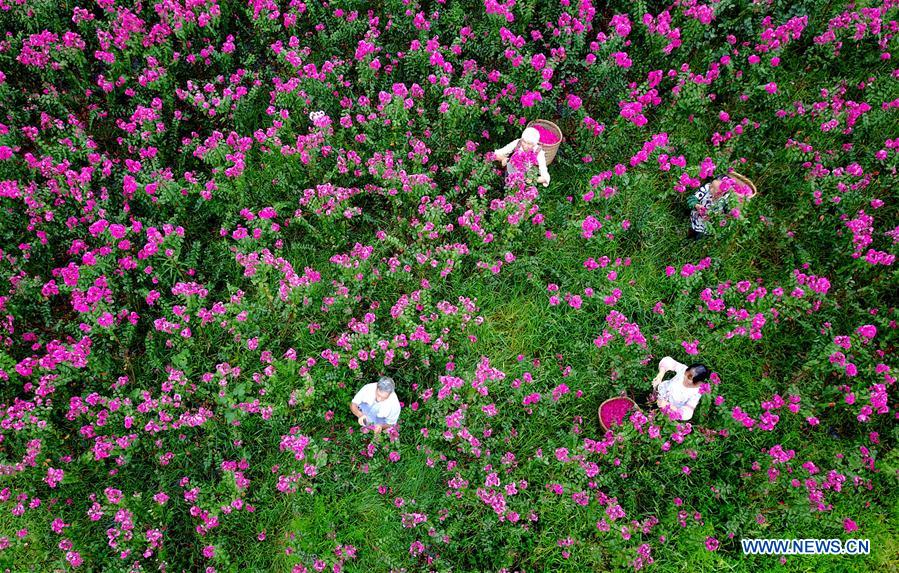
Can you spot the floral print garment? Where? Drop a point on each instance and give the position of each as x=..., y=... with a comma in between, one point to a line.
x=702, y=205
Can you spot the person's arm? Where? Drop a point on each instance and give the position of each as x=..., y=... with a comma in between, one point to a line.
x=544, y=173
x=503, y=153
x=358, y=399
x=666, y=364
x=658, y=378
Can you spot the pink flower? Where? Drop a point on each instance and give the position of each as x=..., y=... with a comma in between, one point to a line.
x=711, y=543
x=771, y=88
x=868, y=331
x=622, y=60
x=113, y=495
x=74, y=558
x=574, y=102
x=209, y=551
x=558, y=391
x=622, y=24
x=529, y=99
x=849, y=525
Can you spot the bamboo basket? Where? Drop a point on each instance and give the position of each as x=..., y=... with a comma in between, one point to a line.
x=550, y=150
x=599, y=410
x=745, y=181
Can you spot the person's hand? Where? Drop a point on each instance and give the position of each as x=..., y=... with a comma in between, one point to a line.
x=544, y=181
x=362, y=421
x=662, y=403
x=503, y=161
x=378, y=429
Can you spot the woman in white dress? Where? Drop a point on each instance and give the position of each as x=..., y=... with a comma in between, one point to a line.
x=681, y=392
x=529, y=142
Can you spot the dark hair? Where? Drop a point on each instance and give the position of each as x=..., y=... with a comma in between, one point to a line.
x=700, y=372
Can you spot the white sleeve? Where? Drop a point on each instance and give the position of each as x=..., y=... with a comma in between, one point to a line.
x=541, y=162
x=668, y=364
x=505, y=151
x=361, y=395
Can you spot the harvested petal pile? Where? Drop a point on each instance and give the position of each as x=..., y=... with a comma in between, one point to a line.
x=547, y=137
x=613, y=412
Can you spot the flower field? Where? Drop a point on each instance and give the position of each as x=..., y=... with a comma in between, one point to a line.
x=219, y=220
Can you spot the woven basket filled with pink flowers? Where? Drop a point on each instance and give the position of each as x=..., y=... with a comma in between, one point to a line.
x=743, y=180
x=550, y=137
x=614, y=411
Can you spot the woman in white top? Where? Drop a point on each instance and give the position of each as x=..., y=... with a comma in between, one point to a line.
x=529, y=141
x=680, y=393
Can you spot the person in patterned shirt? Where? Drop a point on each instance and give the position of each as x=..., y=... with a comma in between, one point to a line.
x=712, y=200
x=706, y=201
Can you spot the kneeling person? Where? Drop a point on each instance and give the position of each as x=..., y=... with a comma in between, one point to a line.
x=377, y=404
x=680, y=393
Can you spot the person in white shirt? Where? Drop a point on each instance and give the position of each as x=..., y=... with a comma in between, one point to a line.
x=681, y=392
x=529, y=141
x=377, y=405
